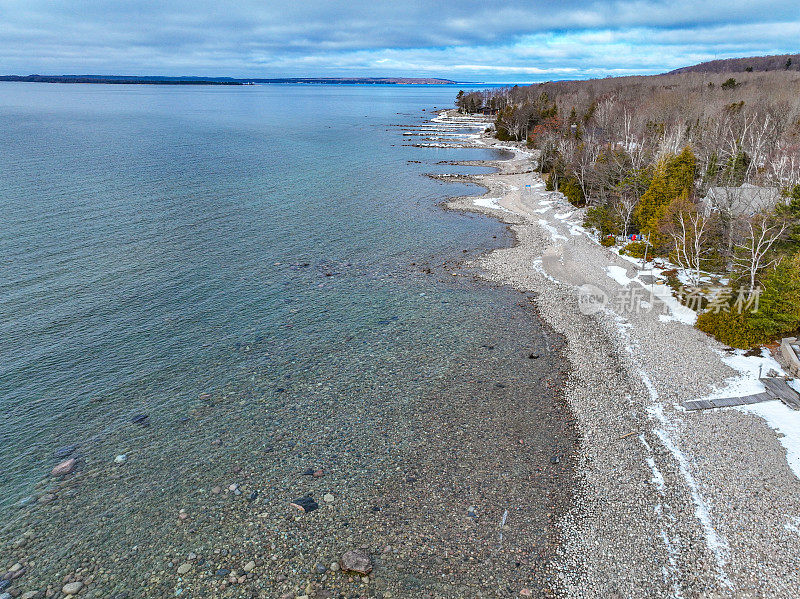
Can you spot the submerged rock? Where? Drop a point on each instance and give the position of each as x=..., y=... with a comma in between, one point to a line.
x=64, y=452
x=305, y=504
x=141, y=419
x=64, y=467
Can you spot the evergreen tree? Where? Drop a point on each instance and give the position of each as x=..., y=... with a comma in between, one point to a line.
x=673, y=179
x=779, y=304
x=736, y=169
x=791, y=212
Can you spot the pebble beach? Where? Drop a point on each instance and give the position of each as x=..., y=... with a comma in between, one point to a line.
x=668, y=503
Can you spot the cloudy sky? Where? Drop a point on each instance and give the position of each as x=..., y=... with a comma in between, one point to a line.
x=466, y=40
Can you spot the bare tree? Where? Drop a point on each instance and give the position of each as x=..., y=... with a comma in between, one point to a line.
x=624, y=208
x=758, y=235
x=689, y=230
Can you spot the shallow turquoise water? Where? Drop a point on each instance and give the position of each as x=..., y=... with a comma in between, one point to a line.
x=150, y=233
x=266, y=272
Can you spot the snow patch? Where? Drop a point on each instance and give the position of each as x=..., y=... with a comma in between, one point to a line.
x=677, y=311
x=750, y=368
x=489, y=203
x=577, y=230
x=619, y=274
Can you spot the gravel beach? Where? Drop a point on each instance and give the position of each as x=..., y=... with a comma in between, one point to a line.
x=668, y=503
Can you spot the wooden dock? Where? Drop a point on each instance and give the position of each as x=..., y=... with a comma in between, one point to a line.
x=776, y=388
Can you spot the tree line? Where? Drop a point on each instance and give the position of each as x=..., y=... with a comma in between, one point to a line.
x=705, y=168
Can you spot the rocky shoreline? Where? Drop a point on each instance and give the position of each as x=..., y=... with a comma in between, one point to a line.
x=399, y=476
x=668, y=503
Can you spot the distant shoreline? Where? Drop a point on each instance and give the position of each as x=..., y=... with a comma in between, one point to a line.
x=141, y=80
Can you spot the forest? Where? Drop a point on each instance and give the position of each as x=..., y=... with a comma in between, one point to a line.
x=703, y=168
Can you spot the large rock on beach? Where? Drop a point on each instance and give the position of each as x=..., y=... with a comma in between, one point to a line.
x=356, y=561
x=72, y=588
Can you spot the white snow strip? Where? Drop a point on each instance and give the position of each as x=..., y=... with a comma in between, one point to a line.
x=577, y=230
x=537, y=266
x=658, y=478
x=677, y=311
x=673, y=572
x=553, y=231
x=714, y=541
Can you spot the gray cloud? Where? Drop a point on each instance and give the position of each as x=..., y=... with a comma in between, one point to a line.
x=469, y=40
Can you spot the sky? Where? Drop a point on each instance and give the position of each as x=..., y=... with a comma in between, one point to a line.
x=464, y=40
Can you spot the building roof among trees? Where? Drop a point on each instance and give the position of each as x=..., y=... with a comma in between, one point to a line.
x=746, y=200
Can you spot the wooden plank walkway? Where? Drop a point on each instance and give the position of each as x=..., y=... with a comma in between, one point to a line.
x=781, y=390
x=776, y=388
x=726, y=402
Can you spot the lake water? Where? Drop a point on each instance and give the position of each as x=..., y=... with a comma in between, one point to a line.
x=263, y=271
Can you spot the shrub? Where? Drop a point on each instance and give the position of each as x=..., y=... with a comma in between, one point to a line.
x=635, y=249
x=602, y=219
x=572, y=190
x=608, y=241
x=779, y=305
x=778, y=311
x=731, y=328
x=729, y=84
